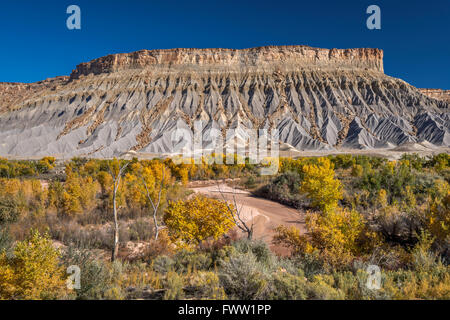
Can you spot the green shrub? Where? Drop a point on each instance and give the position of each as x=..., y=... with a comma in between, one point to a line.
x=243, y=277
x=9, y=209
x=191, y=260
x=258, y=248
x=284, y=189
x=6, y=242
x=285, y=286
x=163, y=264
x=206, y=285
x=322, y=288
x=96, y=279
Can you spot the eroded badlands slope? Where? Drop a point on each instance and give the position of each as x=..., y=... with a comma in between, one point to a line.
x=318, y=99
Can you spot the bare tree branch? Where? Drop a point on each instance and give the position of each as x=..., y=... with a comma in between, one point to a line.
x=116, y=181
x=236, y=213
x=155, y=207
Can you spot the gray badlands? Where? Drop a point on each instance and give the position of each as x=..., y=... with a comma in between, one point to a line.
x=320, y=100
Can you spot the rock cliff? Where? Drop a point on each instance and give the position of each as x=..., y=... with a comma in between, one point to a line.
x=318, y=99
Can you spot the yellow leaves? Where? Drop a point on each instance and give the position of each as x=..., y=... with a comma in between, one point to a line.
x=192, y=221
x=438, y=218
x=33, y=272
x=147, y=176
x=291, y=238
x=382, y=199
x=409, y=199
x=184, y=175
x=336, y=229
x=319, y=183
x=46, y=164
x=357, y=170
x=79, y=193
x=337, y=235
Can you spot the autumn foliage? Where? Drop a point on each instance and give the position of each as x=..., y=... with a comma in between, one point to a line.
x=33, y=271
x=321, y=186
x=192, y=221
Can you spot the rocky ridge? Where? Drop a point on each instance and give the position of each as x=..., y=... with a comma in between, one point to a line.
x=438, y=94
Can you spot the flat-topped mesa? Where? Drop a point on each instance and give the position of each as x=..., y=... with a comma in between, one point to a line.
x=261, y=58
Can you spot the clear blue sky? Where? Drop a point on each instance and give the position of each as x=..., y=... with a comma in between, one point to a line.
x=35, y=43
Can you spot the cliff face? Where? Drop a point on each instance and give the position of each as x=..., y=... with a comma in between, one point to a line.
x=318, y=99
x=210, y=60
x=13, y=94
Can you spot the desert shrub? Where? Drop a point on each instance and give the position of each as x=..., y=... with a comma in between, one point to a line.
x=310, y=264
x=284, y=189
x=357, y=170
x=343, y=161
x=424, y=184
x=349, y=284
x=95, y=275
x=389, y=257
x=396, y=225
x=206, y=285
x=192, y=260
x=393, y=177
x=33, y=271
x=163, y=264
x=322, y=288
x=162, y=246
x=337, y=235
x=258, y=248
x=437, y=219
x=139, y=279
x=410, y=284
x=6, y=241
x=423, y=259
x=10, y=209
x=414, y=160
x=141, y=230
x=439, y=162
x=285, y=286
x=243, y=277
x=70, y=232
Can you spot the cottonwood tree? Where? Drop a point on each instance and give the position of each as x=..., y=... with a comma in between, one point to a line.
x=116, y=169
x=155, y=203
x=192, y=221
x=236, y=214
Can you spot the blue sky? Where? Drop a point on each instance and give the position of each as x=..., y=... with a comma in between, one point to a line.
x=35, y=43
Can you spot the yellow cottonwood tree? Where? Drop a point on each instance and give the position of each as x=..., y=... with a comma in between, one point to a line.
x=320, y=185
x=337, y=235
x=33, y=272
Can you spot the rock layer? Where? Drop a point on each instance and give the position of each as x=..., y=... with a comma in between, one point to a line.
x=318, y=99
x=439, y=94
